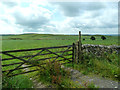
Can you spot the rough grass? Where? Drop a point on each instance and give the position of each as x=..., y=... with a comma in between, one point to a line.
x=38, y=40
x=100, y=66
x=20, y=81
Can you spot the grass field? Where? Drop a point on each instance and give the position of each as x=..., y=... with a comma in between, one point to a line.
x=38, y=40
x=28, y=41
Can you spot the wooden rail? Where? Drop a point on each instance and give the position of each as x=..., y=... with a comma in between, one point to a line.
x=32, y=55
x=60, y=55
x=35, y=49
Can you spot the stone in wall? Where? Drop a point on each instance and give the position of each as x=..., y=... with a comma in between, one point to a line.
x=100, y=49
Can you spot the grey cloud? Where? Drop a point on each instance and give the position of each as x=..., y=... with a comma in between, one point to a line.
x=93, y=6
x=5, y=20
x=70, y=9
x=31, y=22
x=9, y=4
x=109, y=25
x=73, y=9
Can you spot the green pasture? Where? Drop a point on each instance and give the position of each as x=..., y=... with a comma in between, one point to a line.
x=27, y=41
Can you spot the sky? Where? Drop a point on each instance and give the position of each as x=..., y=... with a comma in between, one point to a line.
x=45, y=17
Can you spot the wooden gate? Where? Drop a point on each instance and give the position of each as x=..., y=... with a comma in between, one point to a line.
x=16, y=61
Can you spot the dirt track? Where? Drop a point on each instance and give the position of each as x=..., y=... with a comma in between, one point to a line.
x=98, y=81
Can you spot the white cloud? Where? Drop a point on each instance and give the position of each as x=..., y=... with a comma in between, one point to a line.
x=103, y=19
x=9, y=29
x=44, y=17
x=29, y=18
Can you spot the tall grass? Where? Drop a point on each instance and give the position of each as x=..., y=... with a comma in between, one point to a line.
x=105, y=66
x=21, y=81
x=55, y=75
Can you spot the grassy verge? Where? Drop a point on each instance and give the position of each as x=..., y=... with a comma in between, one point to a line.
x=105, y=66
x=20, y=81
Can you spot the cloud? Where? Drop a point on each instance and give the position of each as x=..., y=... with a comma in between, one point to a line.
x=92, y=16
x=27, y=16
x=9, y=4
x=60, y=17
x=73, y=9
x=31, y=20
x=97, y=19
x=6, y=28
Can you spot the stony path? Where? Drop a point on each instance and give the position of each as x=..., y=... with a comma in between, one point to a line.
x=36, y=83
x=98, y=81
x=80, y=79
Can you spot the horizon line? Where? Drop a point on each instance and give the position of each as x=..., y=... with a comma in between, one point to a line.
x=63, y=34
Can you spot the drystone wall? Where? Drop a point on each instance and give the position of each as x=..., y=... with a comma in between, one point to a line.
x=100, y=49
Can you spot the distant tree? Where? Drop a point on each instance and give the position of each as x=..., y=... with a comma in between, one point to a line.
x=103, y=37
x=92, y=38
x=83, y=38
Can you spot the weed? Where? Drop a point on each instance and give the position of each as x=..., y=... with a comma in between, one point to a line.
x=53, y=73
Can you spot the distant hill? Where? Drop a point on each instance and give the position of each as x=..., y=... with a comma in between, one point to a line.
x=59, y=34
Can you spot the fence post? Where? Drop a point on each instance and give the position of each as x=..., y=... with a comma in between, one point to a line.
x=76, y=52
x=79, y=47
x=73, y=53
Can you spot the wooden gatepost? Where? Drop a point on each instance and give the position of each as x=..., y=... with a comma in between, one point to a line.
x=77, y=50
